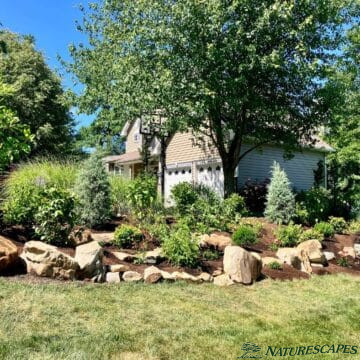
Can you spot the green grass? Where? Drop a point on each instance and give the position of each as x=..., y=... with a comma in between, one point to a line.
x=176, y=321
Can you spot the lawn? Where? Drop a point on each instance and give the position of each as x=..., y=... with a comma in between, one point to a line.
x=175, y=321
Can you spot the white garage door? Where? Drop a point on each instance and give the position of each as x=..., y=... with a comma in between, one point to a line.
x=175, y=176
x=212, y=176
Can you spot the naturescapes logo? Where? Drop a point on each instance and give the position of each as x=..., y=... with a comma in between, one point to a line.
x=252, y=351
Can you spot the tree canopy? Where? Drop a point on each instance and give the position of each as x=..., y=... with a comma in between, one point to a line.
x=232, y=71
x=15, y=138
x=37, y=98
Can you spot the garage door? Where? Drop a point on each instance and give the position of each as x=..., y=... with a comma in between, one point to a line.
x=211, y=176
x=175, y=176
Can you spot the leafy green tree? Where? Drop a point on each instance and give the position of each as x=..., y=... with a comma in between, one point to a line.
x=344, y=132
x=38, y=99
x=280, y=200
x=232, y=71
x=15, y=138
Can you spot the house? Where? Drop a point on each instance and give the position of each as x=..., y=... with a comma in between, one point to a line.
x=188, y=160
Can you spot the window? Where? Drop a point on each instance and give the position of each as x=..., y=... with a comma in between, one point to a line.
x=136, y=137
x=169, y=172
x=183, y=171
x=218, y=168
x=176, y=172
x=189, y=171
x=209, y=169
x=201, y=169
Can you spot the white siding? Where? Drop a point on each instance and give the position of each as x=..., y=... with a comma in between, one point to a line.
x=257, y=166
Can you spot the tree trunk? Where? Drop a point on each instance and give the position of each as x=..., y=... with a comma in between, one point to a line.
x=162, y=167
x=229, y=179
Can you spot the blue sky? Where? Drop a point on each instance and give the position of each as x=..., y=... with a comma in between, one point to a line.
x=52, y=23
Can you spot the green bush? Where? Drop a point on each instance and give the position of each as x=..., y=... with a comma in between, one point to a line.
x=301, y=214
x=288, y=235
x=344, y=262
x=280, y=201
x=158, y=230
x=126, y=235
x=55, y=216
x=181, y=248
x=338, y=223
x=119, y=187
x=244, y=235
x=209, y=254
x=234, y=204
x=184, y=195
x=142, y=195
x=354, y=227
x=311, y=234
x=325, y=228
x=93, y=192
x=23, y=189
x=317, y=202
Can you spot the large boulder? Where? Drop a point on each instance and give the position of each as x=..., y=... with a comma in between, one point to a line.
x=313, y=249
x=297, y=258
x=242, y=266
x=89, y=257
x=217, y=240
x=46, y=260
x=8, y=254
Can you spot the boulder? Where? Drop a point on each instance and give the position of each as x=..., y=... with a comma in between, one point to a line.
x=269, y=260
x=46, y=260
x=167, y=276
x=223, y=280
x=153, y=256
x=297, y=258
x=118, y=268
x=348, y=251
x=132, y=276
x=313, y=249
x=185, y=276
x=241, y=265
x=357, y=249
x=152, y=275
x=288, y=256
x=304, y=263
x=89, y=257
x=113, y=277
x=217, y=240
x=329, y=255
x=204, y=276
x=123, y=256
x=8, y=254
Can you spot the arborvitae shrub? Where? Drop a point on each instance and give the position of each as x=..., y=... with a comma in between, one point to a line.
x=280, y=200
x=93, y=192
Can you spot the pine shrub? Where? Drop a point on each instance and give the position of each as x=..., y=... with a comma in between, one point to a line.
x=244, y=235
x=93, y=192
x=280, y=201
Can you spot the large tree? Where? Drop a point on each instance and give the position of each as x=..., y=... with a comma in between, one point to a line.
x=344, y=132
x=15, y=138
x=233, y=71
x=38, y=98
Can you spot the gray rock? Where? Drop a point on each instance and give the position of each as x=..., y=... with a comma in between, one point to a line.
x=118, y=268
x=329, y=255
x=152, y=275
x=357, y=249
x=123, y=256
x=223, y=280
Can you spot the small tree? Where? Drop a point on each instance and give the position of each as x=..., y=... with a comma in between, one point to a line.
x=280, y=200
x=93, y=190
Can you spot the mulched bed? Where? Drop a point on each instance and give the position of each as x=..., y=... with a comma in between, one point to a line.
x=20, y=235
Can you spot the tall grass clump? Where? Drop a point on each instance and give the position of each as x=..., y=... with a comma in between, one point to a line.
x=119, y=186
x=23, y=188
